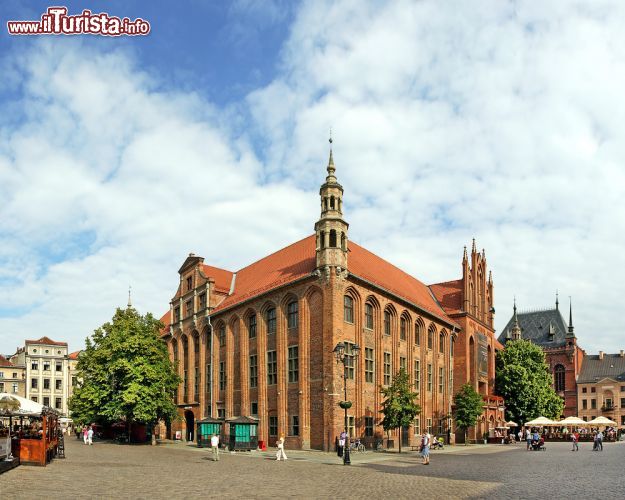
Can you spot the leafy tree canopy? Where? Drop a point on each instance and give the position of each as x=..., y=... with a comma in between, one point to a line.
x=523, y=379
x=125, y=373
x=468, y=406
x=400, y=404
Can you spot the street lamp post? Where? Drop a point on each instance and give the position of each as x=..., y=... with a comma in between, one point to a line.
x=349, y=360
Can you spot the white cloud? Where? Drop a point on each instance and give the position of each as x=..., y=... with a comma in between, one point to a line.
x=497, y=120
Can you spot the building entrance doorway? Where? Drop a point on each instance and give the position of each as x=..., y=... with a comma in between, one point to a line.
x=190, y=420
x=405, y=435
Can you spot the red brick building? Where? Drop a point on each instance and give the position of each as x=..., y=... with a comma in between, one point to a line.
x=259, y=341
x=547, y=329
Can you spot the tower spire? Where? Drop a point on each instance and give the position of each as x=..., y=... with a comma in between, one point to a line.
x=129, y=300
x=571, y=329
x=557, y=302
x=516, y=328
x=331, y=168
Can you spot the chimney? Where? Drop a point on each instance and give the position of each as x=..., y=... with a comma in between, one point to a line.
x=600, y=354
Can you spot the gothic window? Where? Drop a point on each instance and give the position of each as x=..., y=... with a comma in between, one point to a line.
x=348, y=309
x=441, y=344
x=251, y=322
x=402, y=329
x=417, y=333
x=558, y=375
x=271, y=320
x=369, y=316
x=292, y=314
x=387, y=323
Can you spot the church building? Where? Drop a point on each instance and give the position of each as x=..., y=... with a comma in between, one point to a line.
x=258, y=342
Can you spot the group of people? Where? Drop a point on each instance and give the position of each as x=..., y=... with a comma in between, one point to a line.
x=87, y=434
x=280, y=454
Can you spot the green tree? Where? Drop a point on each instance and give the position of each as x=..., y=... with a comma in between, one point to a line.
x=523, y=379
x=468, y=406
x=399, y=406
x=125, y=373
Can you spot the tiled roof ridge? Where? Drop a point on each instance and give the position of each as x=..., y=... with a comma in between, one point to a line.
x=4, y=361
x=442, y=283
x=47, y=341
x=218, y=268
x=273, y=253
x=537, y=310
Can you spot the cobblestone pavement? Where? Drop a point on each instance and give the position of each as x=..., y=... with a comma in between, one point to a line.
x=107, y=470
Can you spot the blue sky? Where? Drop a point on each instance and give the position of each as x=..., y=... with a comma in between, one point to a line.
x=500, y=121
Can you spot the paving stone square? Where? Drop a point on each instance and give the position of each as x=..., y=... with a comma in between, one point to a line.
x=177, y=470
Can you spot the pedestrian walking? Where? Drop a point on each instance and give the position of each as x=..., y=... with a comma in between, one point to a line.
x=90, y=435
x=342, y=441
x=528, y=438
x=599, y=441
x=215, y=447
x=280, y=453
x=425, y=447
x=575, y=439
x=84, y=433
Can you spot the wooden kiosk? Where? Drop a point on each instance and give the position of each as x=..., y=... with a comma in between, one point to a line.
x=243, y=434
x=37, y=443
x=205, y=430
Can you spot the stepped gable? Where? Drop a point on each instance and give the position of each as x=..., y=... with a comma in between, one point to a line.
x=535, y=326
x=449, y=295
x=595, y=369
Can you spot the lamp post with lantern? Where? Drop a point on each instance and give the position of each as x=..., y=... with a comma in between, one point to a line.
x=348, y=359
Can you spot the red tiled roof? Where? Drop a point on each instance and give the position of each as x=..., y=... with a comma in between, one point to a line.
x=449, y=294
x=165, y=320
x=46, y=341
x=4, y=361
x=298, y=260
x=222, y=277
x=369, y=266
x=284, y=266
x=74, y=355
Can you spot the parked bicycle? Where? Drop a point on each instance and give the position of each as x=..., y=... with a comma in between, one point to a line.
x=356, y=446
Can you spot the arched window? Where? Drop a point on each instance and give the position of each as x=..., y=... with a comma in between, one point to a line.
x=402, y=329
x=292, y=316
x=451, y=347
x=271, y=320
x=558, y=378
x=332, y=238
x=348, y=309
x=332, y=202
x=417, y=333
x=441, y=344
x=387, y=323
x=251, y=325
x=369, y=316
x=222, y=335
x=430, y=338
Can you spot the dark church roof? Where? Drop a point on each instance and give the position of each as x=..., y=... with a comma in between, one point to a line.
x=545, y=328
x=594, y=369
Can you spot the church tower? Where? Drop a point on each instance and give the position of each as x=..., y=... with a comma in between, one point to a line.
x=331, y=229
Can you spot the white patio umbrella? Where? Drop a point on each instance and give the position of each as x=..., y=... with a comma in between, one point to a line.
x=540, y=421
x=576, y=421
x=511, y=424
x=601, y=421
x=26, y=406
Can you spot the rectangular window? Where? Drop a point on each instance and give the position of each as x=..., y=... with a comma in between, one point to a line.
x=294, y=430
x=402, y=363
x=417, y=375
x=177, y=314
x=293, y=365
x=349, y=360
x=254, y=408
x=429, y=425
x=291, y=315
x=583, y=390
x=593, y=404
x=14, y=375
x=369, y=365
x=251, y=324
x=222, y=375
x=202, y=300
x=402, y=329
x=622, y=419
x=58, y=384
x=622, y=403
x=34, y=383
x=584, y=404
x=1, y=374
x=253, y=370
x=387, y=368
x=369, y=426
x=348, y=309
x=441, y=380
x=188, y=308
x=46, y=366
x=46, y=383
x=272, y=368
x=271, y=320
x=221, y=413
x=607, y=402
x=196, y=382
x=59, y=366
x=1, y=386
x=15, y=388
x=351, y=426
x=369, y=316
x=46, y=401
x=429, y=380
x=222, y=335
x=441, y=426
x=387, y=323
x=189, y=283
x=417, y=426
x=593, y=389
x=34, y=398
x=58, y=403
x=623, y=388
x=273, y=425
x=208, y=379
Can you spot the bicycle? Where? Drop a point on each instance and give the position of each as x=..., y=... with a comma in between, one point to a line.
x=357, y=446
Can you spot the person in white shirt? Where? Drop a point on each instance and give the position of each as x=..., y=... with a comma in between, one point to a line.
x=280, y=453
x=90, y=435
x=215, y=447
